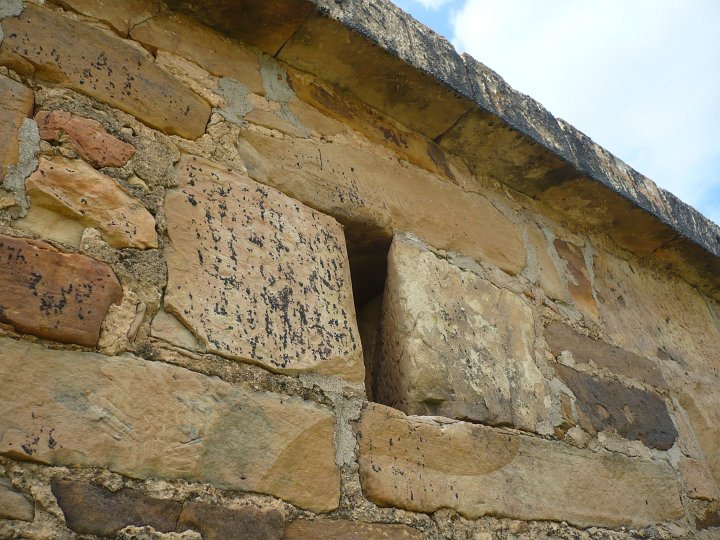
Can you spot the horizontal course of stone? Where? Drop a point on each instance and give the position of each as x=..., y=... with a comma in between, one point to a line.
x=403, y=69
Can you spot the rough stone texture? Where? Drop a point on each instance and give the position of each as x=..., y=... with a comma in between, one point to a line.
x=67, y=195
x=105, y=67
x=587, y=351
x=89, y=509
x=258, y=276
x=632, y=413
x=16, y=104
x=84, y=409
x=339, y=529
x=217, y=523
x=86, y=136
x=455, y=345
x=698, y=481
x=665, y=318
x=14, y=505
x=386, y=59
x=367, y=190
x=425, y=464
x=122, y=15
x=547, y=272
x=578, y=278
x=209, y=49
x=55, y=295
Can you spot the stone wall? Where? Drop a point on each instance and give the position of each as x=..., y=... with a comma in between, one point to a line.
x=239, y=302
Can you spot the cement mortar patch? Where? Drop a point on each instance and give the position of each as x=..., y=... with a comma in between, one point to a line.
x=29, y=139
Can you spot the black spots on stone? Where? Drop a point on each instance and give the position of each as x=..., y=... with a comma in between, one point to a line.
x=192, y=200
x=200, y=257
x=255, y=239
x=35, y=278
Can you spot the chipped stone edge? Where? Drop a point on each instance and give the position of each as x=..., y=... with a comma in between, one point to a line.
x=400, y=35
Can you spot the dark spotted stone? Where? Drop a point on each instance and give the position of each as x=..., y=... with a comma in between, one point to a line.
x=610, y=405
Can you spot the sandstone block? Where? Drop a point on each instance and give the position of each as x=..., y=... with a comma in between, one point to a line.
x=55, y=295
x=258, y=276
x=698, y=480
x=560, y=337
x=218, y=523
x=548, y=275
x=16, y=104
x=63, y=190
x=86, y=136
x=340, y=529
x=89, y=410
x=90, y=509
x=14, y=505
x=423, y=465
x=366, y=188
x=632, y=413
x=578, y=278
x=455, y=345
x=122, y=15
x=186, y=37
x=79, y=56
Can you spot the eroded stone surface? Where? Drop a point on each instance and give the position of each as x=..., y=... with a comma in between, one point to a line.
x=71, y=195
x=105, y=67
x=218, y=523
x=340, y=529
x=424, y=465
x=55, y=295
x=587, y=351
x=578, y=278
x=122, y=15
x=258, y=276
x=86, y=136
x=698, y=481
x=16, y=104
x=547, y=273
x=89, y=410
x=209, y=49
x=14, y=505
x=90, y=509
x=607, y=404
x=455, y=345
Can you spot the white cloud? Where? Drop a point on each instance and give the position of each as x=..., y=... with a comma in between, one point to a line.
x=640, y=77
x=432, y=4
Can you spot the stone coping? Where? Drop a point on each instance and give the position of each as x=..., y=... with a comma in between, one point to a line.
x=397, y=65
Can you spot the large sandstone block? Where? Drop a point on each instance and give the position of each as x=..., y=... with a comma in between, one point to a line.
x=634, y=414
x=424, y=465
x=68, y=195
x=258, y=276
x=455, y=345
x=16, y=104
x=79, y=56
x=55, y=295
x=86, y=136
x=340, y=529
x=366, y=187
x=148, y=419
x=122, y=15
x=14, y=505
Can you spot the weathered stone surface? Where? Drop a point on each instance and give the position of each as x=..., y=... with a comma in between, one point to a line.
x=547, y=272
x=14, y=505
x=455, y=345
x=578, y=278
x=699, y=483
x=105, y=67
x=367, y=189
x=86, y=136
x=122, y=15
x=166, y=327
x=84, y=409
x=710, y=518
x=258, y=276
x=16, y=104
x=217, y=523
x=424, y=465
x=634, y=414
x=55, y=295
x=586, y=351
x=90, y=509
x=340, y=529
x=375, y=52
x=71, y=190
x=663, y=317
x=209, y=49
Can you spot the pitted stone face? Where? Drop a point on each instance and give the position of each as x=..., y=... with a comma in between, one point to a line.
x=259, y=277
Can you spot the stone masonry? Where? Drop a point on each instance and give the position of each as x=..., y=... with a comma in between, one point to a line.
x=296, y=269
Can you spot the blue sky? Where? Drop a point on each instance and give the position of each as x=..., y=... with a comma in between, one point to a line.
x=640, y=77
